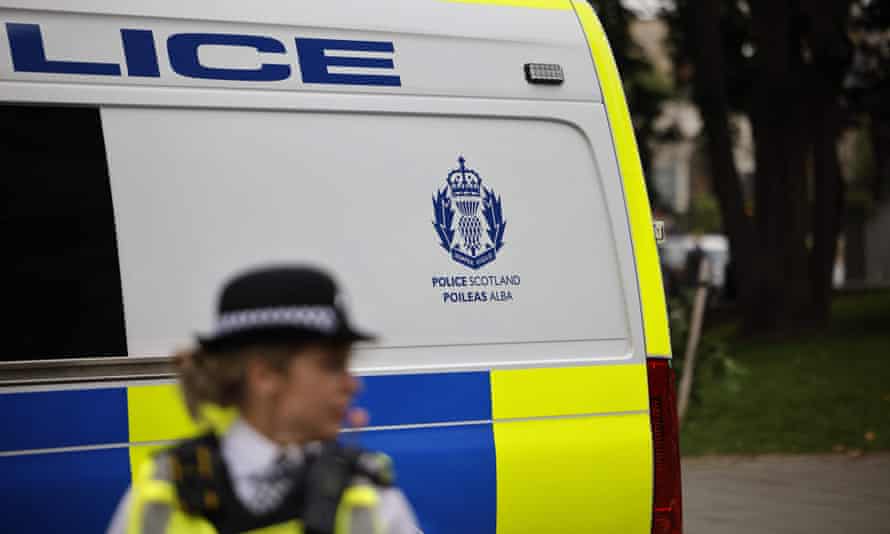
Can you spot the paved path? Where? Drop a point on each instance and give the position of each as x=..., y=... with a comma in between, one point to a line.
x=806, y=494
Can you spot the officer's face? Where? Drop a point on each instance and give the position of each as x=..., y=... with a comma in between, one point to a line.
x=310, y=398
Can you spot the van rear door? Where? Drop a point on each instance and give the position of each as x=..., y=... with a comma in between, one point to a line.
x=477, y=220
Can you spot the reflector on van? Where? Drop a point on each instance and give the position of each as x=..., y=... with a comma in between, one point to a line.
x=667, y=506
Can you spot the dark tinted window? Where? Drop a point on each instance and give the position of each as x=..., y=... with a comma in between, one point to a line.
x=60, y=274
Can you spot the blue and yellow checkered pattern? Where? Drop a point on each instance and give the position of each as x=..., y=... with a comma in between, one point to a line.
x=500, y=451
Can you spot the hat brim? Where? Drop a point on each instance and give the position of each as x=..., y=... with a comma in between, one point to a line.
x=278, y=335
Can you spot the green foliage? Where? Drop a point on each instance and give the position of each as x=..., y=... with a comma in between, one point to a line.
x=864, y=166
x=714, y=367
x=859, y=199
x=859, y=204
x=819, y=392
x=704, y=214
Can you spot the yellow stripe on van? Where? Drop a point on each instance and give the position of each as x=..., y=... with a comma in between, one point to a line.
x=537, y=4
x=517, y=393
x=588, y=473
x=156, y=413
x=591, y=474
x=655, y=322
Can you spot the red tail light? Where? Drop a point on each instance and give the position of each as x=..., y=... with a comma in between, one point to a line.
x=667, y=511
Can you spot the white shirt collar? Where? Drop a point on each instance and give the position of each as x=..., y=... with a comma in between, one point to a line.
x=248, y=453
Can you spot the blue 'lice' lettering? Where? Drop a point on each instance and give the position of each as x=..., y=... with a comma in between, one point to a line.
x=314, y=63
x=139, y=49
x=183, y=51
x=28, y=55
x=140, y=52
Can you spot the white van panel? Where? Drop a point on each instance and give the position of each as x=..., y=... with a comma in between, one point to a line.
x=200, y=193
x=464, y=51
x=427, y=17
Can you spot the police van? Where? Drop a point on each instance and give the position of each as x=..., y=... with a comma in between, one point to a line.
x=466, y=167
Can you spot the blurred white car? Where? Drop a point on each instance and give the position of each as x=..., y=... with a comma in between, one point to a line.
x=675, y=248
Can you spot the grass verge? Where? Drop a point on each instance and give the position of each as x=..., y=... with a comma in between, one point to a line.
x=816, y=393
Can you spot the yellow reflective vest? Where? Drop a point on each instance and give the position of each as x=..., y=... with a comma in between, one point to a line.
x=155, y=508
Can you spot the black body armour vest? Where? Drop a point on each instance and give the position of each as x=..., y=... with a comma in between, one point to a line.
x=205, y=489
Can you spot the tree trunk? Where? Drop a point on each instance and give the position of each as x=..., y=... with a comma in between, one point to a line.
x=880, y=139
x=703, y=27
x=830, y=52
x=854, y=249
x=828, y=201
x=778, y=117
x=795, y=117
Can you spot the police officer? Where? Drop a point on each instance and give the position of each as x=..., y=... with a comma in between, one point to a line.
x=271, y=387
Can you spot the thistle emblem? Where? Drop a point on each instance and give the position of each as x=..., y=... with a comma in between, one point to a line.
x=479, y=233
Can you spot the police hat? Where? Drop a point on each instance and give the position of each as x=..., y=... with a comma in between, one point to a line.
x=281, y=304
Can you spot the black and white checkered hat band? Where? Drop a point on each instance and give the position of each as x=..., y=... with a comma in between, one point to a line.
x=319, y=318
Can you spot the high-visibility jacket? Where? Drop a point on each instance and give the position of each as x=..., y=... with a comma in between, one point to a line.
x=156, y=509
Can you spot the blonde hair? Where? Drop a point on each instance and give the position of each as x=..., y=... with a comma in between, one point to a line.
x=218, y=378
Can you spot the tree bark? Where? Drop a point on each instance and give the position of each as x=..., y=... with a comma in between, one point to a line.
x=784, y=282
x=830, y=52
x=879, y=130
x=778, y=117
x=828, y=201
x=703, y=27
x=854, y=250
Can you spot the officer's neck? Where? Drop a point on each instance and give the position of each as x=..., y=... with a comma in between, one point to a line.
x=265, y=422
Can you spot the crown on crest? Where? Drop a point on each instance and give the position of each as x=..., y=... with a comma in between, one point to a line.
x=464, y=182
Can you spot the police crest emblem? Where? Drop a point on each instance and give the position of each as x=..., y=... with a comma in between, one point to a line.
x=468, y=218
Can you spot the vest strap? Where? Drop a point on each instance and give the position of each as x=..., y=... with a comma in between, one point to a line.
x=204, y=488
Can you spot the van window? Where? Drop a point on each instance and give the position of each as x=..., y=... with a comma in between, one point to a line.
x=62, y=291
